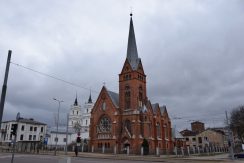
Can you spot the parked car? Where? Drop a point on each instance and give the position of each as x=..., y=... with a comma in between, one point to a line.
x=239, y=155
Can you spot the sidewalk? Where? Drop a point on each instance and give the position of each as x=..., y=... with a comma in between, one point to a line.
x=220, y=157
x=151, y=158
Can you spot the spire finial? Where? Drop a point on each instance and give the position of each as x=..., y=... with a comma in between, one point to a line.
x=76, y=102
x=90, y=99
x=131, y=14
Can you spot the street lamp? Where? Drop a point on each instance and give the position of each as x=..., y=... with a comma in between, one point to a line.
x=56, y=138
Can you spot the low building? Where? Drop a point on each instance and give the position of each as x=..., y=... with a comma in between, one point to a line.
x=212, y=138
x=27, y=130
x=179, y=140
x=190, y=138
x=199, y=137
x=61, y=139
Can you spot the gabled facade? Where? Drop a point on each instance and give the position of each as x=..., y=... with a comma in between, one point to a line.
x=122, y=122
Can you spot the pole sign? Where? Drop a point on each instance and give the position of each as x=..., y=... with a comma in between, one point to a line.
x=45, y=140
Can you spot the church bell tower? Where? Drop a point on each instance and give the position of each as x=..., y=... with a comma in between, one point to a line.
x=132, y=79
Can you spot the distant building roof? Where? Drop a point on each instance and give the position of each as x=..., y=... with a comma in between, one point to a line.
x=178, y=135
x=60, y=132
x=187, y=132
x=197, y=122
x=25, y=120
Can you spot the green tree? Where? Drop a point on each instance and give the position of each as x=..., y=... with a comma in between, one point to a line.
x=237, y=122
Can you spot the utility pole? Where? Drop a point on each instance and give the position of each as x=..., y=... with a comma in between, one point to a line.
x=66, y=145
x=4, y=88
x=56, y=138
x=230, y=138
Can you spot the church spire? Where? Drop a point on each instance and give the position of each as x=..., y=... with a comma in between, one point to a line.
x=90, y=99
x=76, y=102
x=132, y=54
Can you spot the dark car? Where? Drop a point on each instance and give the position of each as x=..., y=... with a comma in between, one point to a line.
x=239, y=155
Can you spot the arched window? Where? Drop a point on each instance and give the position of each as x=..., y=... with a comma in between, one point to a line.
x=158, y=130
x=140, y=96
x=127, y=97
x=104, y=125
x=128, y=125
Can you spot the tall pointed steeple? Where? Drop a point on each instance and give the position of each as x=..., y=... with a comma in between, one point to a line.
x=90, y=99
x=132, y=54
x=76, y=102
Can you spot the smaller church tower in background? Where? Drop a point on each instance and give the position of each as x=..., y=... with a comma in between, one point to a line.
x=74, y=114
x=85, y=117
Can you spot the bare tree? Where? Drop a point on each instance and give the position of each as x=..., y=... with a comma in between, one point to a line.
x=77, y=127
x=237, y=122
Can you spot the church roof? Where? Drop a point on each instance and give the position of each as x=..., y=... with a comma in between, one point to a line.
x=162, y=109
x=114, y=97
x=154, y=107
x=132, y=54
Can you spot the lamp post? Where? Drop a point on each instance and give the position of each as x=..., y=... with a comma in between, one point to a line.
x=56, y=138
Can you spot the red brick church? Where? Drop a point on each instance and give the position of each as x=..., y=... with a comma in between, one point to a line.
x=127, y=121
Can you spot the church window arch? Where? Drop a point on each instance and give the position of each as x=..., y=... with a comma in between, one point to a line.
x=127, y=97
x=128, y=125
x=104, y=125
x=140, y=96
x=158, y=130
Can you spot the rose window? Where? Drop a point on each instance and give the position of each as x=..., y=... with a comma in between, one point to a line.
x=104, y=125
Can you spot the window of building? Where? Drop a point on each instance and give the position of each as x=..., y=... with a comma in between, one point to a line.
x=35, y=128
x=206, y=138
x=22, y=128
x=41, y=129
x=128, y=125
x=158, y=130
x=64, y=139
x=104, y=106
x=21, y=137
x=77, y=112
x=104, y=125
x=30, y=137
x=166, y=131
x=187, y=139
x=193, y=139
x=86, y=121
x=87, y=110
x=34, y=137
x=127, y=97
x=31, y=128
x=140, y=96
x=199, y=139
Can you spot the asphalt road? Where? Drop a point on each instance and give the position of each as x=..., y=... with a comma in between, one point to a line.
x=24, y=158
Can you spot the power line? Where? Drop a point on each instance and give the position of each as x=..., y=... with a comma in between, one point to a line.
x=53, y=77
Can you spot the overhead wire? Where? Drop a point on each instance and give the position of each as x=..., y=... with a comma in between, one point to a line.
x=53, y=77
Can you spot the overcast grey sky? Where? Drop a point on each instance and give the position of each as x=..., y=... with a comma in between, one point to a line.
x=192, y=53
